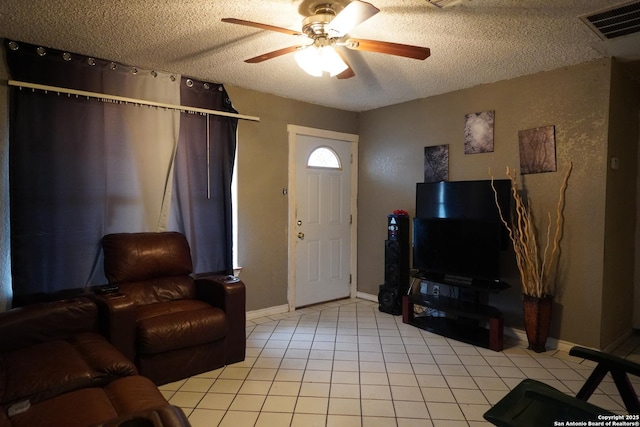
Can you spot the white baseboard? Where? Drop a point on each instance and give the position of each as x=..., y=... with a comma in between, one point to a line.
x=279, y=309
x=269, y=311
x=552, y=343
x=618, y=341
x=367, y=296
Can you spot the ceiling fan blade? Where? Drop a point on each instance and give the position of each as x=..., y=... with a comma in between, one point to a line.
x=355, y=13
x=261, y=26
x=408, y=51
x=271, y=55
x=348, y=73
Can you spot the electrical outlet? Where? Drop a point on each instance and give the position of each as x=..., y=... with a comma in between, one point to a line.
x=435, y=290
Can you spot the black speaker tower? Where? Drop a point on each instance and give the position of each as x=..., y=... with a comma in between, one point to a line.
x=396, y=265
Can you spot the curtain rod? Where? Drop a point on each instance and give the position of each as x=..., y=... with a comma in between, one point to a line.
x=131, y=100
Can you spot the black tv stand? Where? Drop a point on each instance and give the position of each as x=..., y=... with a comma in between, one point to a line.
x=463, y=313
x=462, y=280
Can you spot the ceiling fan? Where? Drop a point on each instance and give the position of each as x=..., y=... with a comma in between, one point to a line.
x=326, y=28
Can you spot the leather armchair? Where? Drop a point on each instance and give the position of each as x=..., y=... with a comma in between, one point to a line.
x=48, y=349
x=171, y=324
x=57, y=370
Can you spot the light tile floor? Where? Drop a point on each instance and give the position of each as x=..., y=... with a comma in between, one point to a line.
x=345, y=363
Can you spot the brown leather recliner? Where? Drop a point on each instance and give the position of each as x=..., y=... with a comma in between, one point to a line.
x=57, y=370
x=128, y=401
x=178, y=325
x=48, y=349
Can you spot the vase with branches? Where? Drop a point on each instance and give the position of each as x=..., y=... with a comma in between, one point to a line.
x=536, y=260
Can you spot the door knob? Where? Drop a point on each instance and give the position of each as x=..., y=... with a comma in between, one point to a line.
x=301, y=235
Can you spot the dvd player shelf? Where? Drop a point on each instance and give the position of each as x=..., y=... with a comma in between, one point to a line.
x=462, y=316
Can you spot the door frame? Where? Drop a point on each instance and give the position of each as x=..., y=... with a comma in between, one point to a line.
x=352, y=139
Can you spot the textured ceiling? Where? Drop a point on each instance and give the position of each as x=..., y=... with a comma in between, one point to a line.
x=472, y=42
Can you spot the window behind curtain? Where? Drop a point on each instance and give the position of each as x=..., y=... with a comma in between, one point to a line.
x=81, y=168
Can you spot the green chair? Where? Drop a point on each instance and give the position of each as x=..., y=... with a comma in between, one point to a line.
x=533, y=403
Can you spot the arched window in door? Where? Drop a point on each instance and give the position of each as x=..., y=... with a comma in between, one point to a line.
x=324, y=157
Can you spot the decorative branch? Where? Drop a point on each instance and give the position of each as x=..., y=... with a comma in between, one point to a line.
x=536, y=268
x=559, y=219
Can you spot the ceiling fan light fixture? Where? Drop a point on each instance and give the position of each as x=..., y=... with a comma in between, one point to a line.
x=318, y=60
x=326, y=27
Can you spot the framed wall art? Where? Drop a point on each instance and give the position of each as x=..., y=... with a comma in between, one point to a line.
x=478, y=132
x=436, y=163
x=537, y=150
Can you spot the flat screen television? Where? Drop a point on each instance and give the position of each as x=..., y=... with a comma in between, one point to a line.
x=463, y=199
x=457, y=230
x=459, y=249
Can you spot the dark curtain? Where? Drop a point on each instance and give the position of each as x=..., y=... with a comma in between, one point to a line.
x=201, y=207
x=56, y=191
x=80, y=168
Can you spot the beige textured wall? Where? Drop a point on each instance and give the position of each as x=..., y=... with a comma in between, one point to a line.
x=576, y=101
x=262, y=174
x=620, y=221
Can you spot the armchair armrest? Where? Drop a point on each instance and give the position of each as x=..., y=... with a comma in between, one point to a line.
x=117, y=312
x=227, y=293
x=618, y=367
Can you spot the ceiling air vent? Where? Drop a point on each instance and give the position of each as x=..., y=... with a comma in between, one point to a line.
x=615, y=21
x=441, y=4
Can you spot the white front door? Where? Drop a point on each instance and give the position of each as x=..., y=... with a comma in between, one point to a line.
x=321, y=241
